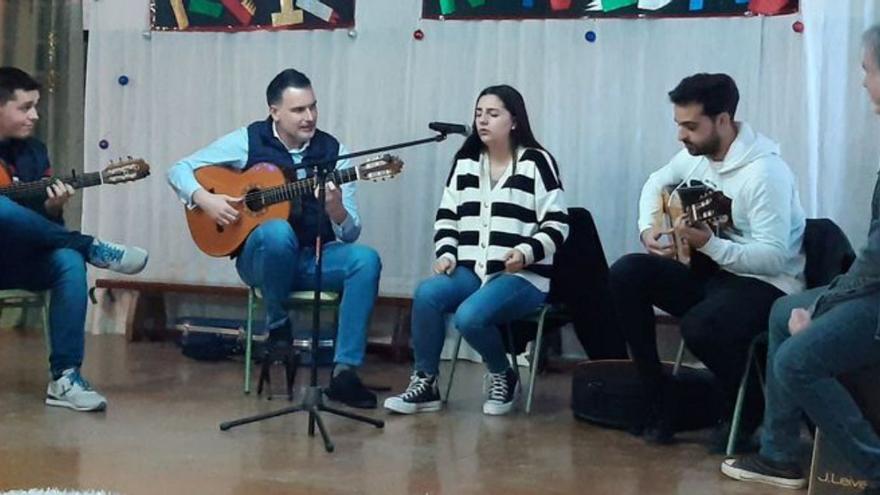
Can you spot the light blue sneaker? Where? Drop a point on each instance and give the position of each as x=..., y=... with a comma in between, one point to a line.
x=71, y=390
x=123, y=259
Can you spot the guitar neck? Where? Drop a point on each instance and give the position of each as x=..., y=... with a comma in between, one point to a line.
x=25, y=190
x=291, y=190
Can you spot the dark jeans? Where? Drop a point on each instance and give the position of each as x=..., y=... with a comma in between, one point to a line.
x=802, y=373
x=37, y=255
x=720, y=315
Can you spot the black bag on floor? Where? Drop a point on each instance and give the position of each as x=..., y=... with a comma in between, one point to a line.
x=609, y=393
x=210, y=339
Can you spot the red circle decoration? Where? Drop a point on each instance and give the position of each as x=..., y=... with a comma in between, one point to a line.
x=418, y=34
x=798, y=27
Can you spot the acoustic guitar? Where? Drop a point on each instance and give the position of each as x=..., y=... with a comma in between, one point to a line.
x=266, y=196
x=699, y=204
x=117, y=172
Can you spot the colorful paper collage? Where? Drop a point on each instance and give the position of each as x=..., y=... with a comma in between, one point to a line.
x=248, y=15
x=545, y=9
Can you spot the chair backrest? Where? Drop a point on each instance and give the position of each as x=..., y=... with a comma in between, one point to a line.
x=828, y=251
x=580, y=256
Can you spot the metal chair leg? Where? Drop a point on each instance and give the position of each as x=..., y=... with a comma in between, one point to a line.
x=740, y=401
x=536, y=356
x=452, y=368
x=679, y=357
x=248, y=342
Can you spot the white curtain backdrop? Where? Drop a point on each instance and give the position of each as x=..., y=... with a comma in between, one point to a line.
x=601, y=108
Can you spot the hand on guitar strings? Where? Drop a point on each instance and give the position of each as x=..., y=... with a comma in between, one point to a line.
x=651, y=241
x=444, y=265
x=696, y=235
x=333, y=203
x=59, y=193
x=219, y=207
x=514, y=261
x=799, y=320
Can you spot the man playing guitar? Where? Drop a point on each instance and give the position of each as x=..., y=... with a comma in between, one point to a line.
x=279, y=255
x=39, y=254
x=724, y=297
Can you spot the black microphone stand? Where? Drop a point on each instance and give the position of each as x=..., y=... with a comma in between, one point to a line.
x=313, y=400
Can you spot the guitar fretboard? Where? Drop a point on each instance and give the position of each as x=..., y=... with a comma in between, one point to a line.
x=22, y=190
x=287, y=192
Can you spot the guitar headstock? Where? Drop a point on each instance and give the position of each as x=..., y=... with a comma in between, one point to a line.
x=713, y=207
x=381, y=168
x=125, y=170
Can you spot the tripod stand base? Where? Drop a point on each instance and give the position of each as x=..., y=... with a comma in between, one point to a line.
x=313, y=403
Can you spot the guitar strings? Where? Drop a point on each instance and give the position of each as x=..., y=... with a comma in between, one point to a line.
x=292, y=189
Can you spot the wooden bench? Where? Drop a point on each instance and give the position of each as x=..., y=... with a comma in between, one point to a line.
x=146, y=320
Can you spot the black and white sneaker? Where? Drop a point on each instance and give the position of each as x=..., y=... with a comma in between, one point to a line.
x=422, y=395
x=503, y=390
x=762, y=470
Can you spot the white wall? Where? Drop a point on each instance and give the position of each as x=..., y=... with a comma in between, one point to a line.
x=600, y=108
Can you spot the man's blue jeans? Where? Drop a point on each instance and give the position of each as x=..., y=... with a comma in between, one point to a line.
x=273, y=261
x=477, y=312
x=802, y=373
x=38, y=254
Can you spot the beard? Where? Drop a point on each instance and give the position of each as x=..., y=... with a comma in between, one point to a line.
x=708, y=147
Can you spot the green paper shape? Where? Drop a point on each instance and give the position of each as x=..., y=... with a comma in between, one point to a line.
x=609, y=5
x=206, y=7
x=447, y=7
x=477, y=3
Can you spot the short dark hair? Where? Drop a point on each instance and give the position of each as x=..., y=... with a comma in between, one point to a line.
x=12, y=79
x=288, y=78
x=716, y=92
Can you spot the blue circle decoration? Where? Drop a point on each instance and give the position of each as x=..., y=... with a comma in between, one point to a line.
x=123, y=80
x=103, y=144
x=590, y=36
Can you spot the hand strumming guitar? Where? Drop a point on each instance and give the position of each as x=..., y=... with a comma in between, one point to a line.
x=219, y=207
x=59, y=193
x=651, y=241
x=696, y=235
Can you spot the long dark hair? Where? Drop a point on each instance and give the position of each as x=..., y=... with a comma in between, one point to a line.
x=520, y=135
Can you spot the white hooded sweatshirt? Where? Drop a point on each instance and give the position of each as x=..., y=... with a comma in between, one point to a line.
x=766, y=209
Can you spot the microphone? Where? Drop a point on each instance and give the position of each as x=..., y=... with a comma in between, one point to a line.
x=447, y=128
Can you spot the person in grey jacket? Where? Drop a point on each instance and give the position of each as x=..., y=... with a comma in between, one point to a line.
x=815, y=336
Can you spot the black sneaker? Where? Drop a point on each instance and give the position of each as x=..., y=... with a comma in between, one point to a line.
x=422, y=395
x=503, y=390
x=347, y=388
x=762, y=470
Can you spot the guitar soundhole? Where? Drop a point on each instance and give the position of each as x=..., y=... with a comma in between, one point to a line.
x=220, y=229
x=253, y=200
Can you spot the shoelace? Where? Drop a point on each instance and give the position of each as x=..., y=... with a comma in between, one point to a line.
x=108, y=253
x=76, y=378
x=417, y=386
x=498, y=386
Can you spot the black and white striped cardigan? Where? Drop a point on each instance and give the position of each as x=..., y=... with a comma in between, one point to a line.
x=476, y=225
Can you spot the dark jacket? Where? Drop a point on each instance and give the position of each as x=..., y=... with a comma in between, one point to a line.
x=28, y=160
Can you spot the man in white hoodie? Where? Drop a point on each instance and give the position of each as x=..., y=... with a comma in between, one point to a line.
x=724, y=297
